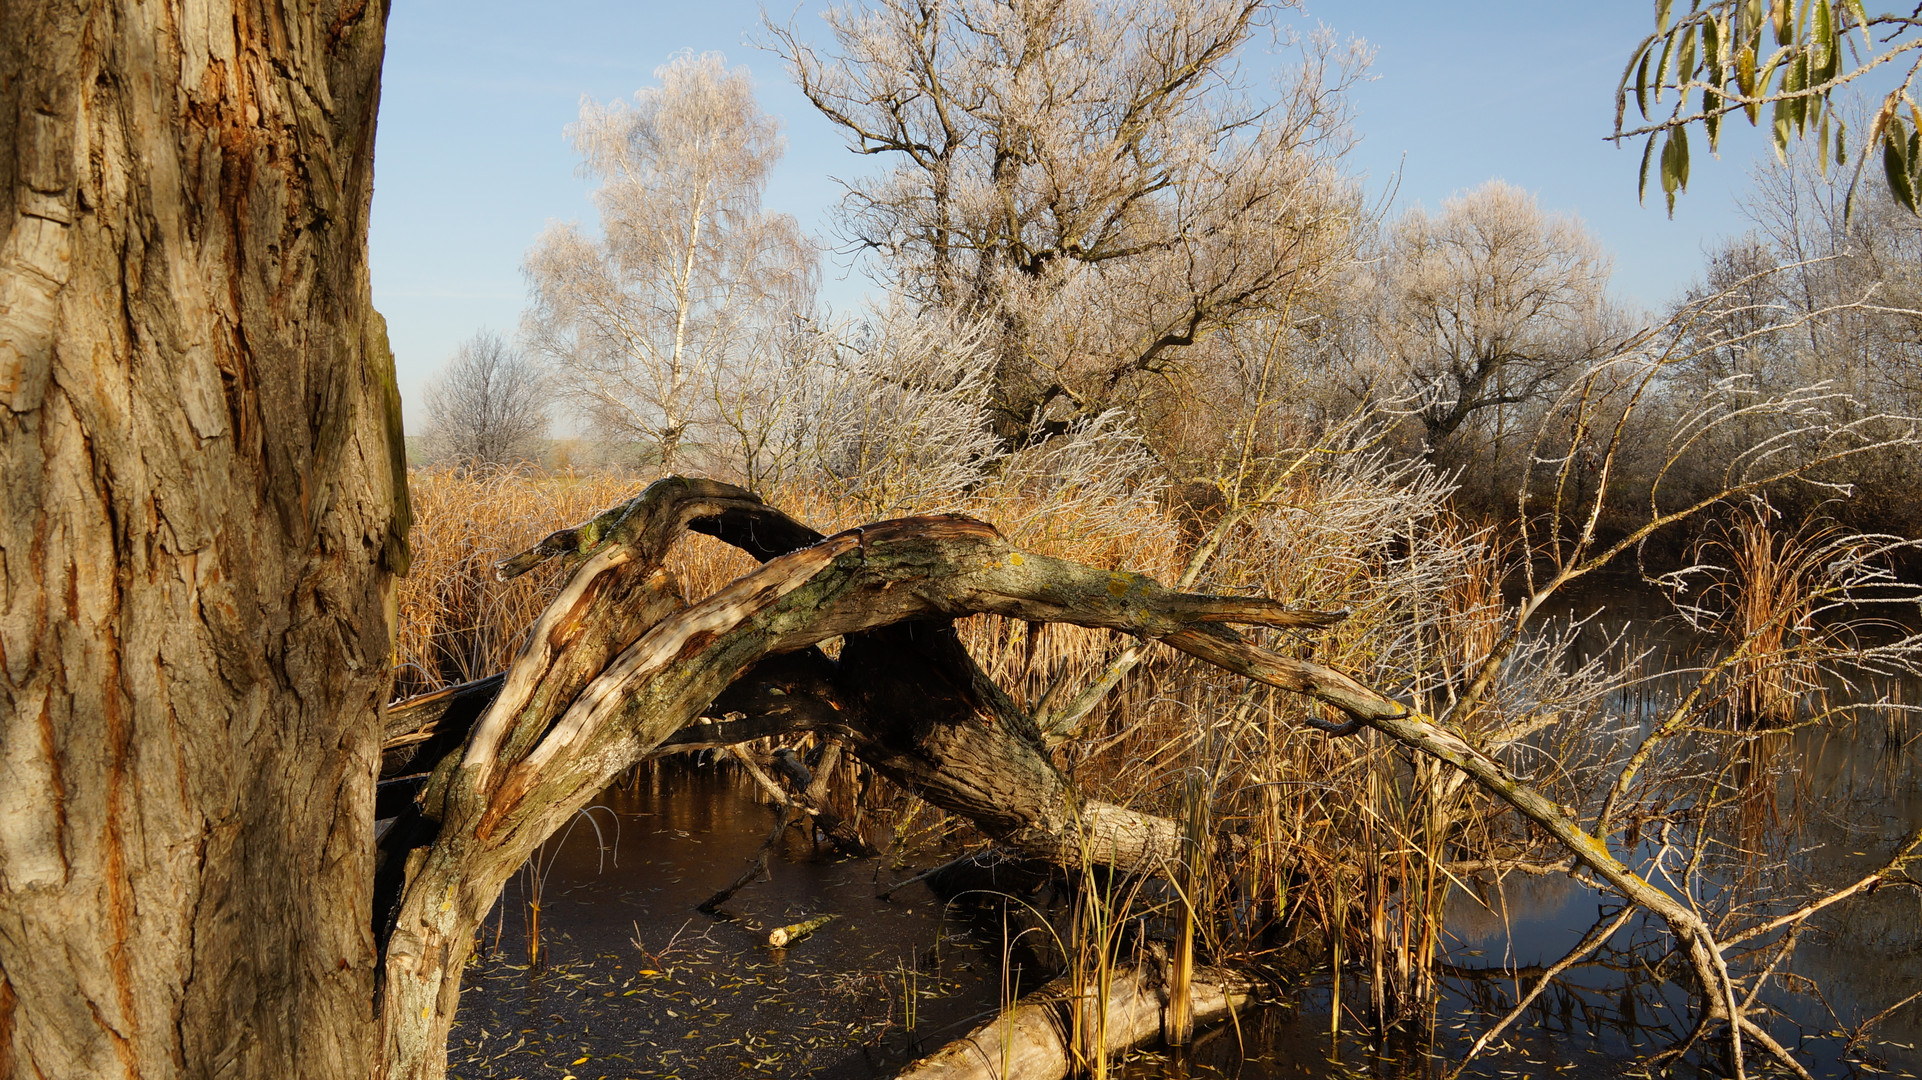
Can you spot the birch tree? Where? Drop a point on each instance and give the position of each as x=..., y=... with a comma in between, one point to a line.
x=690, y=277
x=1096, y=180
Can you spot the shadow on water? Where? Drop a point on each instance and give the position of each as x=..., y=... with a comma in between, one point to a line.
x=635, y=982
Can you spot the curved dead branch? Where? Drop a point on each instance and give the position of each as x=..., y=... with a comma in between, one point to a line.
x=619, y=664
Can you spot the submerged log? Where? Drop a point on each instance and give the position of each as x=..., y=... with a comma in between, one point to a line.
x=784, y=936
x=1034, y=1040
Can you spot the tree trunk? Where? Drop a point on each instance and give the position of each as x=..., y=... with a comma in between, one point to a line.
x=204, y=509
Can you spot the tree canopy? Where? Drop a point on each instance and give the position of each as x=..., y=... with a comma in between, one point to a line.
x=1096, y=180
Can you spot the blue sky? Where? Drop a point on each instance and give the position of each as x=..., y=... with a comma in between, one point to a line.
x=471, y=162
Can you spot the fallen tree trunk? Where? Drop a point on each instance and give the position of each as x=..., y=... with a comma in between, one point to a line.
x=1035, y=1040
x=619, y=663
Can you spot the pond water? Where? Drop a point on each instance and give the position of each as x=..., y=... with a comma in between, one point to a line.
x=635, y=982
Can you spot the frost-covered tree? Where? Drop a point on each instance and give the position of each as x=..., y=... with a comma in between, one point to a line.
x=1095, y=180
x=1476, y=312
x=487, y=406
x=690, y=278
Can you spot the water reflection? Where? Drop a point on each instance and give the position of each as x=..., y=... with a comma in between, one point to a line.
x=636, y=983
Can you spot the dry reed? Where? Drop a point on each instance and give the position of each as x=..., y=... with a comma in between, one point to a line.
x=1344, y=840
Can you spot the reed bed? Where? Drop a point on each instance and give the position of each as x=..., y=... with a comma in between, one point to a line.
x=1334, y=853
x=1342, y=841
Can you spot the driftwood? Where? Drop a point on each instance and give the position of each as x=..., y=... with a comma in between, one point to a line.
x=1034, y=1039
x=783, y=936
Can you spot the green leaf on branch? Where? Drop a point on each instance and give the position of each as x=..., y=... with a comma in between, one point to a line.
x=1661, y=70
x=1822, y=145
x=1914, y=160
x=1895, y=163
x=1641, y=82
x=1745, y=82
x=1685, y=65
x=1641, y=186
x=1675, y=166
x=1861, y=17
x=1794, y=81
x=1823, y=41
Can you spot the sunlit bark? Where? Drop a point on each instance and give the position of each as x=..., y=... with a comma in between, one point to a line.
x=204, y=508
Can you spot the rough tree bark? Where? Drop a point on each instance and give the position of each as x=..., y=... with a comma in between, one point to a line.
x=204, y=508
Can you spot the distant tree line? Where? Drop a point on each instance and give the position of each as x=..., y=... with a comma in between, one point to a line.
x=1086, y=220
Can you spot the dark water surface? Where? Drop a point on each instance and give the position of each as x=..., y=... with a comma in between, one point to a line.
x=637, y=983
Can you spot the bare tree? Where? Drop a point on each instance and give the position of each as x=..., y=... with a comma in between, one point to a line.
x=690, y=276
x=1863, y=261
x=488, y=406
x=1489, y=304
x=1094, y=179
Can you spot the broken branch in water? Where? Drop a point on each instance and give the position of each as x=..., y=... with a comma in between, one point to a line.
x=784, y=936
x=1030, y=1040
